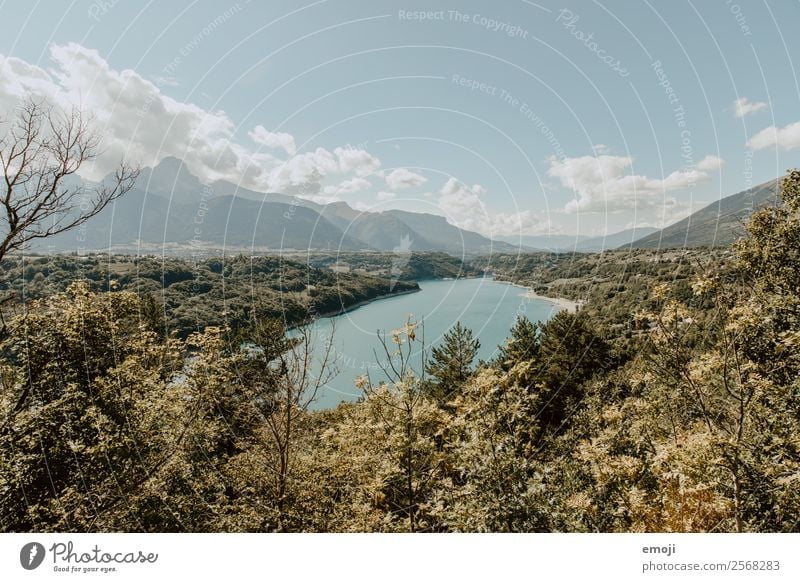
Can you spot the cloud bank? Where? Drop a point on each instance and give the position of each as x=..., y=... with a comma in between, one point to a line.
x=141, y=124
x=602, y=183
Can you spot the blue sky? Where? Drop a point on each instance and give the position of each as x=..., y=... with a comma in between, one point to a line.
x=512, y=118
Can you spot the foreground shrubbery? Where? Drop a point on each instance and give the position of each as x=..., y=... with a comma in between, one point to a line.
x=691, y=426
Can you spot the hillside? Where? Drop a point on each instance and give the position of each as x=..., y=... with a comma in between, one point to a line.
x=575, y=242
x=718, y=224
x=410, y=266
x=186, y=296
x=170, y=210
x=146, y=219
x=613, y=241
x=611, y=285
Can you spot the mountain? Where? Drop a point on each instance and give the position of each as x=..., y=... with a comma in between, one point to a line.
x=441, y=235
x=718, y=224
x=393, y=229
x=576, y=242
x=613, y=241
x=240, y=222
x=222, y=188
x=546, y=242
x=170, y=206
x=385, y=232
x=140, y=218
x=172, y=180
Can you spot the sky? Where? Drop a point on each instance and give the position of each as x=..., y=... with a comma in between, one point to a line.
x=512, y=118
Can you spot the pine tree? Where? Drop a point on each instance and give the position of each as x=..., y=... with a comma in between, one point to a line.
x=522, y=344
x=450, y=365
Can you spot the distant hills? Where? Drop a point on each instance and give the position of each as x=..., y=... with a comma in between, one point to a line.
x=171, y=210
x=578, y=243
x=545, y=242
x=718, y=224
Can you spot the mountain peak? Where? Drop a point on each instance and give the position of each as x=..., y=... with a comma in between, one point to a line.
x=172, y=179
x=170, y=164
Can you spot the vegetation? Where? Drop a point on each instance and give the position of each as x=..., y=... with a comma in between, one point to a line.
x=672, y=404
x=188, y=296
x=450, y=364
x=40, y=150
x=613, y=284
x=406, y=265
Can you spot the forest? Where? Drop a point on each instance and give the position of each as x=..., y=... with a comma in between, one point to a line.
x=670, y=402
x=182, y=296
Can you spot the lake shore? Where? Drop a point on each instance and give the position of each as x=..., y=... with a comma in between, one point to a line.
x=489, y=309
x=559, y=303
x=354, y=306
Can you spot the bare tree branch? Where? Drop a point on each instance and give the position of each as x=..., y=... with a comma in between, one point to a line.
x=40, y=148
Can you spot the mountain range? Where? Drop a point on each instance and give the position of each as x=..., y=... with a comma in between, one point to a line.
x=579, y=243
x=169, y=208
x=718, y=224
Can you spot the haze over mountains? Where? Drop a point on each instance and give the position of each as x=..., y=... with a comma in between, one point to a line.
x=579, y=243
x=718, y=224
x=171, y=209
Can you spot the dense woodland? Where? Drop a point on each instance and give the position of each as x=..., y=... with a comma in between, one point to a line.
x=183, y=296
x=669, y=402
x=614, y=284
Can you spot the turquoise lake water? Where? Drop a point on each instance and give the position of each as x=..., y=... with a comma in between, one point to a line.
x=486, y=306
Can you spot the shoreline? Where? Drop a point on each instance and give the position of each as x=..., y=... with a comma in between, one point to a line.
x=559, y=303
x=353, y=307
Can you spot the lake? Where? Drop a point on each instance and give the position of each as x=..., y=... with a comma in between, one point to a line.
x=486, y=306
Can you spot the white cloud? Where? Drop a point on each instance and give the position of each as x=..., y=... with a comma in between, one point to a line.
x=384, y=196
x=349, y=186
x=285, y=141
x=404, y=178
x=301, y=175
x=141, y=124
x=163, y=81
x=321, y=199
x=462, y=206
x=527, y=222
x=785, y=138
x=602, y=184
x=452, y=186
x=743, y=106
x=359, y=161
x=710, y=163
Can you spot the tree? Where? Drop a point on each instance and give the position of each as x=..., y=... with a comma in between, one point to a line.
x=522, y=344
x=555, y=359
x=720, y=396
x=297, y=388
x=571, y=352
x=450, y=364
x=87, y=414
x=39, y=150
x=402, y=432
x=494, y=482
x=279, y=377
